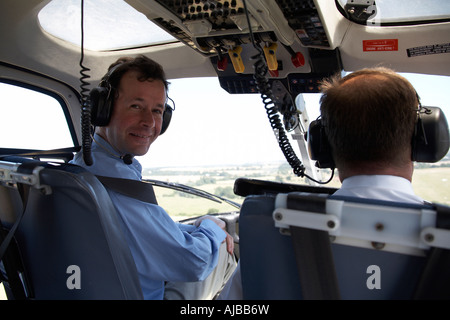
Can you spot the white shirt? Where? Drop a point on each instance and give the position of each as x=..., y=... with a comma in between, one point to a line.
x=379, y=187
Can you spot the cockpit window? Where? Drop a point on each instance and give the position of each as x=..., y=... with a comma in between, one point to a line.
x=32, y=120
x=108, y=24
x=395, y=12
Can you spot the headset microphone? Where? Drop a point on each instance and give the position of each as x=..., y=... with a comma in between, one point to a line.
x=127, y=158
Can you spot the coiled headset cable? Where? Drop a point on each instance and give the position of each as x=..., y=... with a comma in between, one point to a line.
x=86, y=108
x=263, y=85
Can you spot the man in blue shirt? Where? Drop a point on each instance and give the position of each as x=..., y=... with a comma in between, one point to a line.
x=129, y=117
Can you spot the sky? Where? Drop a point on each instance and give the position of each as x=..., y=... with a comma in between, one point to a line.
x=210, y=126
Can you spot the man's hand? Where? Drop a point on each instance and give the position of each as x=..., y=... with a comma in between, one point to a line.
x=229, y=239
x=230, y=243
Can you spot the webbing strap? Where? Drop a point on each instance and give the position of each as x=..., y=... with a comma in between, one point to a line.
x=313, y=254
x=434, y=282
x=23, y=191
x=10, y=261
x=132, y=188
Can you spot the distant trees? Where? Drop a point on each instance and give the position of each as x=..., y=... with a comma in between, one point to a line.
x=205, y=180
x=225, y=192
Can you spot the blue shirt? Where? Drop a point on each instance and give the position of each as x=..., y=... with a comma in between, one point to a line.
x=163, y=250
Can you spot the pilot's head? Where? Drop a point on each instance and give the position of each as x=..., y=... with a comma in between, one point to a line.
x=369, y=118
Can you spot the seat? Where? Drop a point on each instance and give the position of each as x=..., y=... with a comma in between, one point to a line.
x=361, y=249
x=69, y=243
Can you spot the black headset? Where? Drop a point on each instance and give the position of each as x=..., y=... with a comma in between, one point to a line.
x=102, y=98
x=430, y=143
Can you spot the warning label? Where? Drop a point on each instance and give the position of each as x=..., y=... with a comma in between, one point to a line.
x=431, y=49
x=380, y=45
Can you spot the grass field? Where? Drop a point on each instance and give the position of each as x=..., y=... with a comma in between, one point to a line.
x=432, y=184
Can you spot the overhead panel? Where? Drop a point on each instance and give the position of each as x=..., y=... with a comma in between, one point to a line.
x=291, y=33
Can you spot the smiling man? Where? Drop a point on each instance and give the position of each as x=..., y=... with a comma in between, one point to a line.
x=186, y=261
x=137, y=117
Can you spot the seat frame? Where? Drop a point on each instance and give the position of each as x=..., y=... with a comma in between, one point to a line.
x=361, y=236
x=68, y=224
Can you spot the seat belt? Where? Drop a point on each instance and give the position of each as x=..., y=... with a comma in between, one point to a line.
x=132, y=188
x=313, y=254
x=434, y=282
x=23, y=191
x=10, y=260
x=13, y=277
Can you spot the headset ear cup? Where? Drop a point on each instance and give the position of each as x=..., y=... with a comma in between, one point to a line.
x=431, y=140
x=318, y=146
x=419, y=139
x=101, y=106
x=167, y=116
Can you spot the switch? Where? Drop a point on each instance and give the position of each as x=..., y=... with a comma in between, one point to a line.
x=236, y=60
x=271, y=58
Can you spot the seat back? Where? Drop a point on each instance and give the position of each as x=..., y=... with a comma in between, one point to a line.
x=386, y=262
x=70, y=242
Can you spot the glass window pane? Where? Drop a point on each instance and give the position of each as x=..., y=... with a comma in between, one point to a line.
x=108, y=24
x=31, y=120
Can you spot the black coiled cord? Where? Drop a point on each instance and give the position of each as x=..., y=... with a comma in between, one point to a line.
x=86, y=133
x=263, y=86
x=85, y=103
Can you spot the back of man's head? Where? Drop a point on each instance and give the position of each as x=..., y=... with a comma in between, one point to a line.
x=369, y=117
